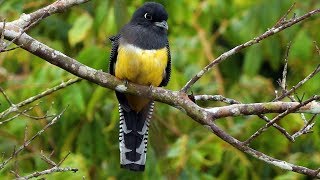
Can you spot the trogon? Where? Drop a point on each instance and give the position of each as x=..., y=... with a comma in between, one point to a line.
x=140, y=54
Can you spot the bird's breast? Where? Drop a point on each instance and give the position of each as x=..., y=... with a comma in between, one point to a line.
x=145, y=67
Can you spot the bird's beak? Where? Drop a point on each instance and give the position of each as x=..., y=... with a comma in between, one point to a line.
x=162, y=24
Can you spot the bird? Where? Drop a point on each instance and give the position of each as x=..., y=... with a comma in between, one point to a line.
x=140, y=54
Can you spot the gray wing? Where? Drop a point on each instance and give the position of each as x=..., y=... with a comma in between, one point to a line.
x=114, y=52
x=113, y=59
x=167, y=74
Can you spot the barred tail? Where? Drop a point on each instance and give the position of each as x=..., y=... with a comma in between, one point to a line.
x=133, y=137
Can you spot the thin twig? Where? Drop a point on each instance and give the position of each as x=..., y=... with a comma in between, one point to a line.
x=38, y=96
x=307, y=128
x=24, y=113
x=238, y=48
x=261, y=156
x=266, y=126
x=206, y=44
x=15, y=174
x=286, y=93
x=48, y=171
x=279, y=128
x=53, y=8
x=55, y=167
x=6, y=97
x=10, y=119
x=282, y=20
x=11, y=49
x=283, y=82
x=232, y=101
x=37, y=117
x=34, y=18
x=260, y=108
x=276, y=119
x=317, y=47
x=317, y=69
x=49, y=91
x=26, y=28
x=215, y=98
x=47, y=159
x=303, y=117
x=26, y=143
x=63, y=159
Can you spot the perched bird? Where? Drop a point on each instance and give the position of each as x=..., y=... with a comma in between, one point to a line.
x=140, y=54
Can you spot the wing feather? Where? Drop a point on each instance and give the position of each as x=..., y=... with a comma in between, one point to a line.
x=114, y=53
x=167, y=73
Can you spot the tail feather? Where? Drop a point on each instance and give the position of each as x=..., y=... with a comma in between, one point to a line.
x=133, y=137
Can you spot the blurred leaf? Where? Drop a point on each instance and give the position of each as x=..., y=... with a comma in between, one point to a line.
x=120, y=13
x=94, y=57
x=101, y=13
x=253, y=60
x=272, y=50
x=301, y=47
x=178, y=148
x=80, y=29
x=94, y=102
x=177, y=7
x=289, y=176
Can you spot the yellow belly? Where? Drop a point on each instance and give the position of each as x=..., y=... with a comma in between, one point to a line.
x=145, y=67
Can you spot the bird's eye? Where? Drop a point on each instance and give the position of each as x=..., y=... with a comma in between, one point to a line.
x=148, y=16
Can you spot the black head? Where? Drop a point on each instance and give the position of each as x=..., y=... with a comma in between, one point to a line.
x=151, y=14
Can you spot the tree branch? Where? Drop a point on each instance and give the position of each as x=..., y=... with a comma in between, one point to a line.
x=259, y=155
x=172, y=98
x=255, y=40
x=15, y=32
x=312, y=107
x=232, y=101
x=48, y=171
x=307, y=128
x=278, y=118
x=14, y=107
x=33, y=18
x=317, y=69
x=56, y=168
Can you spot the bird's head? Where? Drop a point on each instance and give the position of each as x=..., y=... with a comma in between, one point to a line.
x=151, y=14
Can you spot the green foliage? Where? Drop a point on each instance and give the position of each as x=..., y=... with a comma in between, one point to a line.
x=80, y=29
x=179, y=148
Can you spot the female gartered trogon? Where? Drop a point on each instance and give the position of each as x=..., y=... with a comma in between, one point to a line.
x=140, y=54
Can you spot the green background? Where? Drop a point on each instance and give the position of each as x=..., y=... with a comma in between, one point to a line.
x=179, y=148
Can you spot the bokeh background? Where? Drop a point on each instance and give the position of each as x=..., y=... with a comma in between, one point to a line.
x=179, y=148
